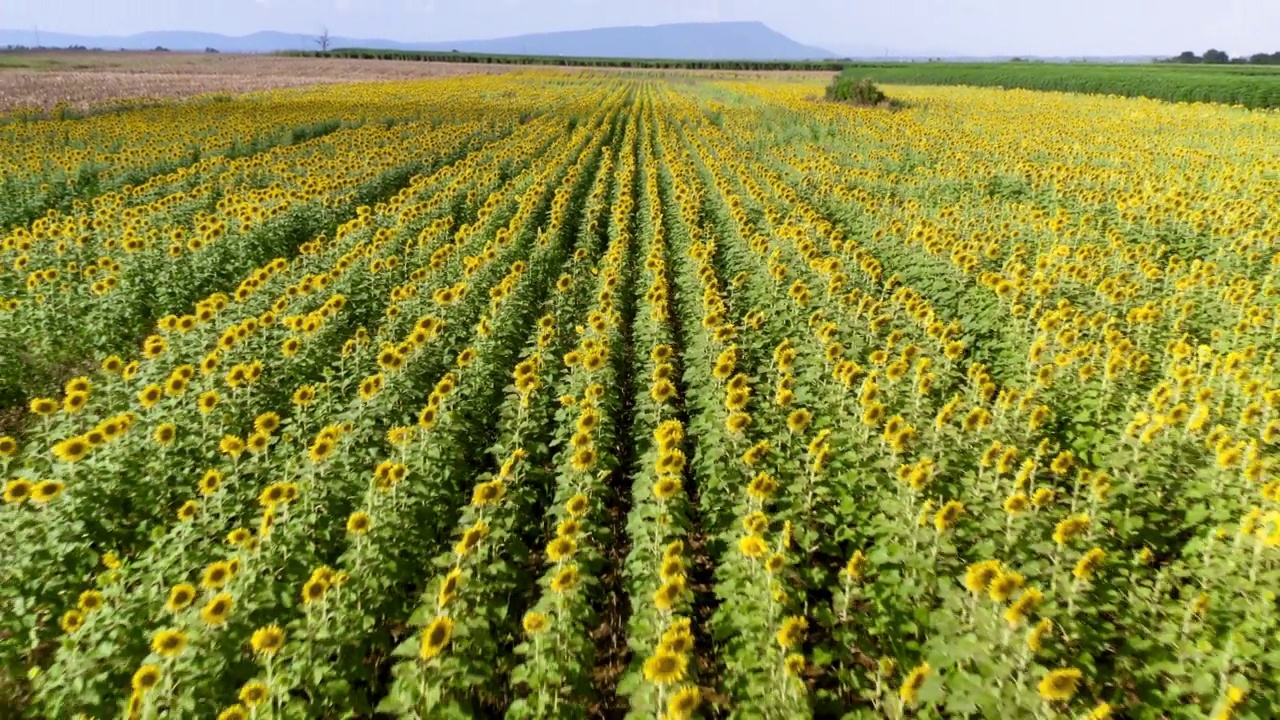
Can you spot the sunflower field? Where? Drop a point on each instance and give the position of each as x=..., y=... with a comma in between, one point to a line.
x=553, y=395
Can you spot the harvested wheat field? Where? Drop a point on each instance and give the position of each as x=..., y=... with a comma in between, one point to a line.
x=83, y=80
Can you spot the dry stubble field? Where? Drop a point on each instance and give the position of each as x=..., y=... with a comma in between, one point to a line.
x=86, y=79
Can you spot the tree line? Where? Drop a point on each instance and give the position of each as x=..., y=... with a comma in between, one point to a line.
x=1218, y=57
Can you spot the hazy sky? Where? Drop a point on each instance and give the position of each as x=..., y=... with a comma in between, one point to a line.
x=1041, y=27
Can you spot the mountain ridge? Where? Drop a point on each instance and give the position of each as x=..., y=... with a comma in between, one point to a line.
x=682, y=41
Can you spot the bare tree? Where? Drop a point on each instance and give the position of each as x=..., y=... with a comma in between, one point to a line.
x=323, y=40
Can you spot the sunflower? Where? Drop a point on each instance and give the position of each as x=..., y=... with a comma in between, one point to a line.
x=180, y=597
x=165, y=434
x=400, y=436
x=304, y=396
x=762, y=487
x=948, y=516
x=359, y=523
x=258, y=442
x=169, y=643
x=267, y=640
x=216, y=575
x=792, y=632
x=752, y=546
x=435, y=637
x=8, y=447
x=561, y=549
x=1035, y=638
x=188, y=511
x=666, y=596
x=856, y=566
x=43, y=406
x=775, y=563
x=488, y=493
x=449, y=587
x=1104, y=711
x=235, y=712
x=1070, y=528
x=911, y=686
x=16, y=491
x=873, y=414
x=321, y=449
x=665, y=668
x=756, y=454
x=794, y=665
x=978, y=577
x=669, y=434
x=74, y=402
x=1004, y=585
x=584, y=459
x=145, y=678
x=568, y=528
x=72, y=620
x=176, y=385
x=47, y=490
x=371, y=386
x=216, y=611
x=577, y=505
x=662, y=391
x=675, y=640
x=253, y=693
x=1088, y=564
x=72, y=449
x=682, y=705
x=535, y=623
x=110, y=429
x=671, y=462
x=207, y=401
x=314, y=590
x=594, y=361
x=671, y=567
x=565, y=580
x=736, y=400
x=799, y=420
x=231, y=446
x=736, y=422
x=471, y=537
x=272, y=495
x=1060, y=685
x=89, y=601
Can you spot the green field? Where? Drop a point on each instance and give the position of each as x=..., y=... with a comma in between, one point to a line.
x=1253, y=86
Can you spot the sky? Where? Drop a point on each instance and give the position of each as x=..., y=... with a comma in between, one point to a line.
x=918, y=27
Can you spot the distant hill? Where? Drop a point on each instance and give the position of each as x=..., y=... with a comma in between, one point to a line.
x=683, y=41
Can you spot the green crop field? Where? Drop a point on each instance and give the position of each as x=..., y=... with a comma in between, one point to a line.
x=1253, y=86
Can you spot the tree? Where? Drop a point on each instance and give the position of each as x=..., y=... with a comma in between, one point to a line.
x=323, y=41
x=1216, y=57
x=1187, y=57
